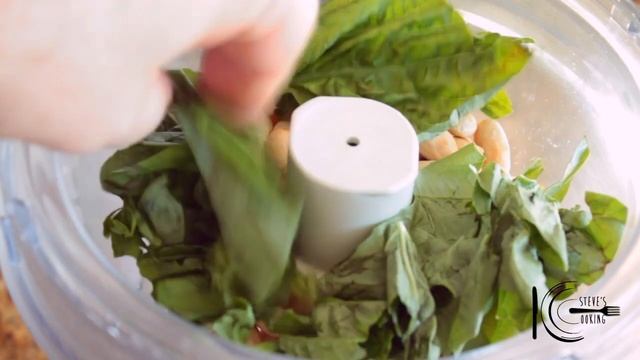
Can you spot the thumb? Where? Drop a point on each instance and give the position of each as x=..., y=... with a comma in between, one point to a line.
x=243, y=75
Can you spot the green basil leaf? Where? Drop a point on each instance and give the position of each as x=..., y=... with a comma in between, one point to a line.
x=486, y=187
x=236, y=324
x=592, y=238
x=337, y=18
x=123, y=227
x=322, y=348
x=476, y=296
x=349, y=319
x=191, y=296
x=609, y=217
x=172, y=261
x=362, y=276
x=128, y=171
x=407, y=285
x=498, y=106
x=164, y=211
x=452, y=177
x=458, y=256
x=432, y=92
x=520, y=270
x=258, y=220
x=525, y=200
x=380, y=341
x=424, y=343
x=507, y=318
x=558, y=191
x=286, y=321
x=534, y=170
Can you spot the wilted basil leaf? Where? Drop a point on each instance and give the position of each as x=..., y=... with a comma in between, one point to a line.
x=236, y=324
x=558, y=191
x=258, y=219
x=348, y=319
x=322, y=348
x=498, y=106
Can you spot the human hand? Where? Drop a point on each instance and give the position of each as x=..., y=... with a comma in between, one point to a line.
x=81, y=75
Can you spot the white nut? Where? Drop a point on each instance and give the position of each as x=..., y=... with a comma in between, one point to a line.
x=424, y=163
x=492, y=138
x=283, y=125
x=462, y=142
x=482, y=118
x=277, y=144
x=439, y=147
x=466, y=127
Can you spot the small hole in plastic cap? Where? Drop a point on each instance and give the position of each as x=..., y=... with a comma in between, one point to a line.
x=353, y=141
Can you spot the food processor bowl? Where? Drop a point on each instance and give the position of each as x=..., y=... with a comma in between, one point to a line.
x=583, y=81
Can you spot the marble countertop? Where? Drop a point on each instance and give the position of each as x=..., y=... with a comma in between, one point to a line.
x=16, y=342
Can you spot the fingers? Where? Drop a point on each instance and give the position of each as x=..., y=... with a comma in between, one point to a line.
x=166, y=29
x=78, y=116
x=239, y=77
x=145, y=115
x=243, y=76
x=96, y=81
x=124, y=118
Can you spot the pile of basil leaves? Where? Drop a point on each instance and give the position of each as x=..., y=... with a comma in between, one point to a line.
x=211, y=221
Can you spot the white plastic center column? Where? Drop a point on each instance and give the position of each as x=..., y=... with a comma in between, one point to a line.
x=356, y=160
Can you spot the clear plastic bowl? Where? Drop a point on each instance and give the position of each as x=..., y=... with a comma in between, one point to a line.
x=584, y=80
